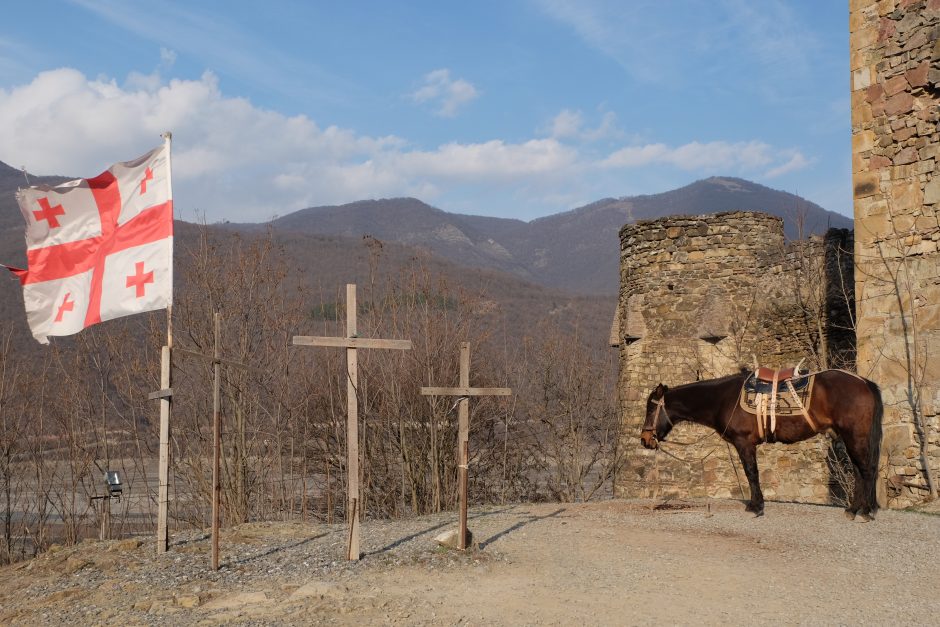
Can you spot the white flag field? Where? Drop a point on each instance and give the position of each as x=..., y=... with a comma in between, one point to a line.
x=98, y=248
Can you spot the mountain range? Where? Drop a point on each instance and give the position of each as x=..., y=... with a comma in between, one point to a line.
x=575, y=251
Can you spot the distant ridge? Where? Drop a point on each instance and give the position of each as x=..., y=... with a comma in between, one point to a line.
x=575, y=251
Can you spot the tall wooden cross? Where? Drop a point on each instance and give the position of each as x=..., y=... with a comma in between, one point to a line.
x=464, y=391
x=217, y=362
x=165, y=395
x=351, y=342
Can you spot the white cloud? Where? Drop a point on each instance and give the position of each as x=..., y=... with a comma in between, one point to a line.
x=167, y=57
x=569, y=124
x=489, y=161
x=446, y=93
x=234, y=160
x=226, y=46
x=772, y=33
x=796, y=162
x=227, y=152
x=661, y=43
x=696, y=156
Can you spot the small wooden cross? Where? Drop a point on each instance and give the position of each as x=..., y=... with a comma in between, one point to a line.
x=351, y=343
x=464, y=391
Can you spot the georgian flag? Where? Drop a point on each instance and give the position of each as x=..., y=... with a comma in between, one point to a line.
x=98, y=248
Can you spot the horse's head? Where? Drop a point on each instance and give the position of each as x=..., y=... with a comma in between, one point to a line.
x=657, y=424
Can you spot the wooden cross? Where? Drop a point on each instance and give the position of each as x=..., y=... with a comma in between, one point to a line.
x=464, y=391
x=351, y=342
x=217, y=362
x=166, y=394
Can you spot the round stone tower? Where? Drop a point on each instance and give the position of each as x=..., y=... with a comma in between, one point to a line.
x=700, y=297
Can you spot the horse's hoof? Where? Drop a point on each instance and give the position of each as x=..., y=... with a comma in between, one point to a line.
x=850, y=514
x=865, y=518
x=758, y=513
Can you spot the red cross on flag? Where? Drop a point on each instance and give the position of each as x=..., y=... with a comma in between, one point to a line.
x=98, y=248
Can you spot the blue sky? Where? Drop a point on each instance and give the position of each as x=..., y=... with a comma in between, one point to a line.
x=508, y=108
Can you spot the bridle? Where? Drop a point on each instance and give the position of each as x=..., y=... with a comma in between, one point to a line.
x=660, y=407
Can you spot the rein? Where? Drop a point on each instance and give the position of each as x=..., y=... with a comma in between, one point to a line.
x=661, y=406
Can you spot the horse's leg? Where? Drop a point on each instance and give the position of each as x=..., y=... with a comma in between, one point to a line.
x=857, y=448
x=748, y=454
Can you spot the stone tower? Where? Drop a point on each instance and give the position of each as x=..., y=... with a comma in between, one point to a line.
x=895, y=82
x=700, y=297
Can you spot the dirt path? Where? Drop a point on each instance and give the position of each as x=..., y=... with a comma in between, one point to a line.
x=601, y=565
x=617, y=562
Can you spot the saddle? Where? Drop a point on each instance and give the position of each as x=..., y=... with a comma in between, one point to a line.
x=769, y=393
x=766, y=380
x=767, y=374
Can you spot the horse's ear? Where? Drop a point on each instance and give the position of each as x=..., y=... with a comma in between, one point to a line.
x=660, y=391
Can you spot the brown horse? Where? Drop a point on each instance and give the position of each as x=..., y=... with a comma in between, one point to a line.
x=841, y=402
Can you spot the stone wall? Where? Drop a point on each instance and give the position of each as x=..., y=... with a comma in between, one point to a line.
x=895, y=82
x=700, y=297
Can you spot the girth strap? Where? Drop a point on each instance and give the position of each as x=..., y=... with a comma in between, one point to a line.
x=773, y=402
x=799, y=403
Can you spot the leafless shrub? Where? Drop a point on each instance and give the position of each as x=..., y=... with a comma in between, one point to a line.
x=71, y=412
x=570, y=413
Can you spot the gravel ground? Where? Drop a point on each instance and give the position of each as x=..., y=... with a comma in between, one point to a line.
x=613, y=562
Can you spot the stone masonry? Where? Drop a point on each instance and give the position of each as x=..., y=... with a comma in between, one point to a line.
x=895, y=83
x=702, y=296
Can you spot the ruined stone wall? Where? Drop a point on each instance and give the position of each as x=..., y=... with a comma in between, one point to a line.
x=895, y=82
x=699, y=297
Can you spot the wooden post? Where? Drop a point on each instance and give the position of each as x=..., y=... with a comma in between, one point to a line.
x=163, y=496
x=464, y=391
x=463, y=443
x=105, y=533
x=351, y=342
x=216, y=443
x=352, y=428
x=167, y=393
x=329, y=494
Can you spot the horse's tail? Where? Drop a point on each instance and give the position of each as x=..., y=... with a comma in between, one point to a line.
x=874, y=442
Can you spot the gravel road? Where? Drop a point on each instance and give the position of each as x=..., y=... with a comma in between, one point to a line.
x=614, y=562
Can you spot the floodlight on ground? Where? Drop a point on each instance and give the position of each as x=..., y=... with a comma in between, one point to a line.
x=113, y=481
